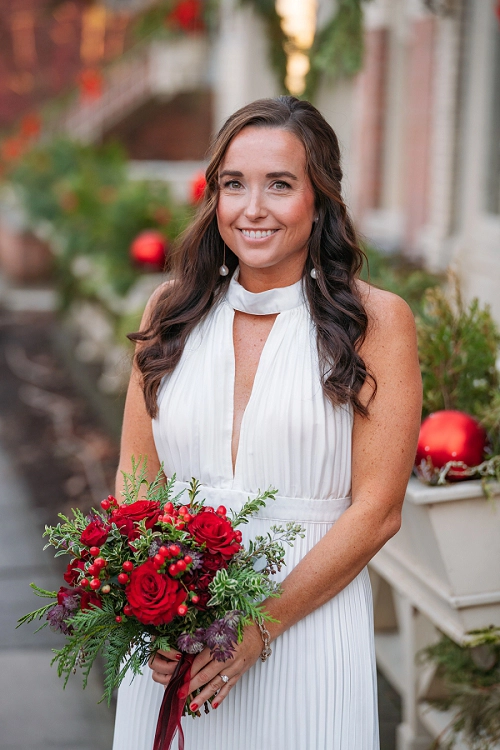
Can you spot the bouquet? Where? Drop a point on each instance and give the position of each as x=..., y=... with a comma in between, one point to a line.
x=158, y=572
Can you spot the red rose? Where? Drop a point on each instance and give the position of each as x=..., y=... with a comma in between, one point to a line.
x=95, y=534
x=71, y=575
x=153, y=597
x=213, y=563
x=127, y=516
x=215, y=532
x=88, y=598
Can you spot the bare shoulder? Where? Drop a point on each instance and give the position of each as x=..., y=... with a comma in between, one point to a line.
x=388, y=314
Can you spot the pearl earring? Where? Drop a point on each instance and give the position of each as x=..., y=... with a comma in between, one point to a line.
x=224, y=270
x=314, y=273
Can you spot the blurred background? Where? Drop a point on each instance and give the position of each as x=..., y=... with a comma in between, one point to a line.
x=107, y=110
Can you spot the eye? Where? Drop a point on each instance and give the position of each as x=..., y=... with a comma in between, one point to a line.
x=232, y=184
x=281, y=185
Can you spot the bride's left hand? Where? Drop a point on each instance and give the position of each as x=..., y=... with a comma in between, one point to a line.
x=207, y=672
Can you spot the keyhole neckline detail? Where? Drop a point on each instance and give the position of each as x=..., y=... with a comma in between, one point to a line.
x=270, y=302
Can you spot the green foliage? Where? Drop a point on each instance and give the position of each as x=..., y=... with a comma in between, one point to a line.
x=278, y=40
x=92, y=210
x=489, y=416
x=396, y=274
x=471, y=675
x=458, y=347
x=338, y=47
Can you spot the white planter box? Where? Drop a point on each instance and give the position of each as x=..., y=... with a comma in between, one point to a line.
x=446, y=557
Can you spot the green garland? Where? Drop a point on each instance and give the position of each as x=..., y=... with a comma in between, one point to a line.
x=471, y=675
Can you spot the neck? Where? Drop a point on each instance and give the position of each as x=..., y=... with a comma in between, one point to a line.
x=262, y=279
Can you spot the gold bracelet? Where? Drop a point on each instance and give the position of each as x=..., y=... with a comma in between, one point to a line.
x=266, y=639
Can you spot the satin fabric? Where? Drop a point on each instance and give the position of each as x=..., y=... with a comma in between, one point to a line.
x=318, y=689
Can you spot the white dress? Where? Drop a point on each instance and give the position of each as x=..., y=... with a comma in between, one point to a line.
x=318, y=689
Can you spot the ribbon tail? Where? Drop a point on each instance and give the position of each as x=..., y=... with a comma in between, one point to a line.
x=172, y=706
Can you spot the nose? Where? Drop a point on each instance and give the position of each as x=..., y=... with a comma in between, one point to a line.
x=255, y=206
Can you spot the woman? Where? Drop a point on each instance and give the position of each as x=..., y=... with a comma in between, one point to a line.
x=267, y=362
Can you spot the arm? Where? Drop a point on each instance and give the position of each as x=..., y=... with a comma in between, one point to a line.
x=137, y=431
x=384, y=447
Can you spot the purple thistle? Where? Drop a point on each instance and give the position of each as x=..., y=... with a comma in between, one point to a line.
x=232, y=618
x=192, y=643
x=221, y=638
x=56, y=617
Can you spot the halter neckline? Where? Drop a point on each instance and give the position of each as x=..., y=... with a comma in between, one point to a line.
x=270, y=302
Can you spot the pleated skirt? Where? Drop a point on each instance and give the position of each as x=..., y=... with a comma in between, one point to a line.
x=316, y=692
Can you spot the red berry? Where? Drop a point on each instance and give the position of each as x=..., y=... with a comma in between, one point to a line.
x=112, y=500
x=94, y=551
x=95, y=584
x=84, y=582
x=106, y=588
x=188, y=517
x=127, y=610
x=208, y=508
x=181, y=565
x=105, y=504
x=100, y=562
x=182, y=510
x=159, y=560
x=93, y=569
x=192, y=587
x=173, y=569
x=182, y=610
x=188, y=559
x=168, y=508
x=128, y=566
x=122, y=578
x=179, y=524
x=167, y=518
x=238, y=536
x=195, y=599
x=174, y=549
x=163, y=550
x=221, y=511
x=118, y=618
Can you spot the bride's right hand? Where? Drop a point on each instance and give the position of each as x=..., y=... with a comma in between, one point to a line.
x=163, y=665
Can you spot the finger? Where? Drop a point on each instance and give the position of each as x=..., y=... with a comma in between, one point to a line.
x=200, y=662
x=172, y=654
x=159, y=663
x=216, y=687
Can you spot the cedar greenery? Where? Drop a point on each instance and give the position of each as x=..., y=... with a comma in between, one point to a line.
x=471, y=675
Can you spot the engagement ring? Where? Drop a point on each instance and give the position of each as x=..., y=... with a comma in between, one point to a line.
x=224, y=678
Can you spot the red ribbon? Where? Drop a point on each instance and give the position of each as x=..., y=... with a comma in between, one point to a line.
x=172, y=706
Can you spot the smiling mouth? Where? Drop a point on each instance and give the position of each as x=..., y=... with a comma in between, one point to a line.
x=257, y=234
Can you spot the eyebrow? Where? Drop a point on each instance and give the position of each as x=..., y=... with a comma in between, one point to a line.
x=270, y=175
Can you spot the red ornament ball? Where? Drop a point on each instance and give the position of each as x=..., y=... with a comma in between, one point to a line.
x=450, y=435
x=149, y=250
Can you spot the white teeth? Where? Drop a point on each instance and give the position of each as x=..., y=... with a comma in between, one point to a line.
x=258, y=234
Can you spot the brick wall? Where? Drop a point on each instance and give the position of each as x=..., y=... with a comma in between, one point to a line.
x=171, y=131
x=370, y=120
x=419, y=118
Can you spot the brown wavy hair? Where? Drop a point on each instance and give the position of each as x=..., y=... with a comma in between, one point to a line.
x=334, y=302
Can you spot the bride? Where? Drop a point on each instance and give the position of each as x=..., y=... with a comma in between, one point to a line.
x=268, y=362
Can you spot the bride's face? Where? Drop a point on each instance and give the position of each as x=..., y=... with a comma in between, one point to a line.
x=265, y=211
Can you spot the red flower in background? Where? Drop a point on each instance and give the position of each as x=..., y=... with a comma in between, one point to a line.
x=31, y=125
x=197, y=190
x=91, y=84
x=152, y=596
x=187, y=15
x=217, y=533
